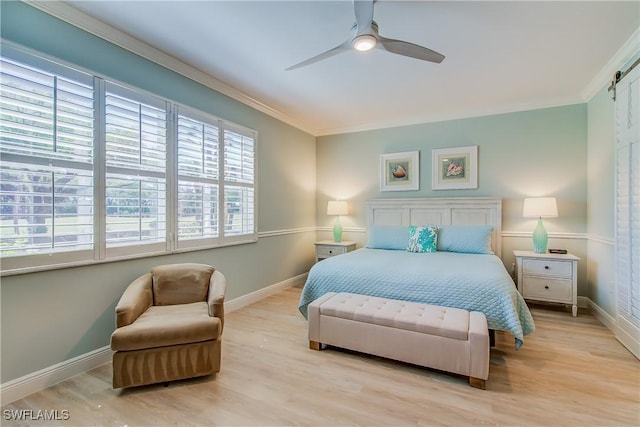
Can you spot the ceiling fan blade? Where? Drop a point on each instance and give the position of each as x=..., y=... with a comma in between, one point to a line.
x=409, y=49
x=336, y=50
x=364, y=16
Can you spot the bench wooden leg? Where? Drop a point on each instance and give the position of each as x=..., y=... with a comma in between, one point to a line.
x=477, y=383
x=314, y=345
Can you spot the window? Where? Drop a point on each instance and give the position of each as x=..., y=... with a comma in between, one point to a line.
x=93, y=170
x=136, y=163
x=239, y=152
x=198, y=179
x=202, y=189
x=46, y=163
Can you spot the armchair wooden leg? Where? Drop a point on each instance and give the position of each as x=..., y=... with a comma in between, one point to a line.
x=314, y=345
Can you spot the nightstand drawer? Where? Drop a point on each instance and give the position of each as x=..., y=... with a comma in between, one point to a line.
x=326, y=251
x=543, y=267
x=555, y=290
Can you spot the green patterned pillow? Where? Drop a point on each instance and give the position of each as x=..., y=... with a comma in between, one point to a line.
x=422, y=239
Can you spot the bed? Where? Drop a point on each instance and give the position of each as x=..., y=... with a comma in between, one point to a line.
x=465, y=272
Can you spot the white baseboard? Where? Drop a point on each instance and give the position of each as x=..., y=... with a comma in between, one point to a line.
x=628, y=335
x=36, y=381
x=599, y=313
x=629, y=341
x=583, y=302
x=244, y=300
x=39, y=380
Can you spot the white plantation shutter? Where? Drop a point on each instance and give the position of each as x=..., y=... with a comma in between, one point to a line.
x=46, y=161
x=634, y=223
x=198, y=175
x=239, y=183
x=136, y=162
x=91, y=170
x=627, y=128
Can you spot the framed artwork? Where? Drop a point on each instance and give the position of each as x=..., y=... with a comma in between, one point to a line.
x=400, y=171
x=454, y=168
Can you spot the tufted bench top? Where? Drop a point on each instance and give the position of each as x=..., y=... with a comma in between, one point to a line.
x=411, y=316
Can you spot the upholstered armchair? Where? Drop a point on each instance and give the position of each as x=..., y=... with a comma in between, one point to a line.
x=169, y=325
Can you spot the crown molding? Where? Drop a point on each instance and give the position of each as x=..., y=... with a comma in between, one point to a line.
x=75, y=17
x=467, y=114
x=619, y=59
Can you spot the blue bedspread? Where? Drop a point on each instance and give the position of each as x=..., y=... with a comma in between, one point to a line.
x=469, y=281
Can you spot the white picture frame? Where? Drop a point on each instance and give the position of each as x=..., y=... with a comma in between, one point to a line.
x=454, y=168
x=400, y=171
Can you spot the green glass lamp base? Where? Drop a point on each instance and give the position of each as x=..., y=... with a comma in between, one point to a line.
x=540, y=238
x=337, y=230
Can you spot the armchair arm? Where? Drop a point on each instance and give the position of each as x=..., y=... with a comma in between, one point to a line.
x=135, y=300
x=217, y=289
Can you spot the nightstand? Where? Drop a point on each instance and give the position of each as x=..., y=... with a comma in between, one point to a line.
x=548, y=278
x=329, y=248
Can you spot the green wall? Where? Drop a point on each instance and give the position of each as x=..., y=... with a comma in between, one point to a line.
x=601, y=201
x=531, y=153
x=49, y=317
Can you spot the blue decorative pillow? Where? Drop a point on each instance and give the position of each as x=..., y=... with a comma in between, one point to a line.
x=422, y=239
x=471, y=239
x=388, y=237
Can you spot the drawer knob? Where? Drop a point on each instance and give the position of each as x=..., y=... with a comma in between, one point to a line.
x=546, y=267
x=546, y=286
x=330, y=252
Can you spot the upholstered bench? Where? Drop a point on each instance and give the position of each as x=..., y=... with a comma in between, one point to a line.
x=444, y=338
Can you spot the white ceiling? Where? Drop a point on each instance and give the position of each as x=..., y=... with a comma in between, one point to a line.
x=500, y=56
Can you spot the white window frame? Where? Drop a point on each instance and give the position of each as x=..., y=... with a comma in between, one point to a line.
x=26, y=262
x=141, y=247
x=100, y=252
x=196, y=243
x=222, y=239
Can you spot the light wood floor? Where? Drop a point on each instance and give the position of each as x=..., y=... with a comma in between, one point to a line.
x=571, y=371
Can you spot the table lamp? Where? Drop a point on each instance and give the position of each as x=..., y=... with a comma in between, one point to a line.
x=540, y=207
x=337, y=208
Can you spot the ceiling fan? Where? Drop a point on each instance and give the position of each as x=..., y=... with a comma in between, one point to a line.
x=365, y=37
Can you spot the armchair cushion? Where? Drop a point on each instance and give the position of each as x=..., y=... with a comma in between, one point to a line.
x=162, y=326
x=180, y=283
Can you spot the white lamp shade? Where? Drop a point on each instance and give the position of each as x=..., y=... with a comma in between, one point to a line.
x=337, y=207
x=540, y=207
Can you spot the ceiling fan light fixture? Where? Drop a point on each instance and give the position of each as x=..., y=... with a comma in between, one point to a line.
x=365, y=36
x=364, y=42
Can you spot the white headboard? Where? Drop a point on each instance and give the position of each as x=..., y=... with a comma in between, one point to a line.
x=440, y=211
